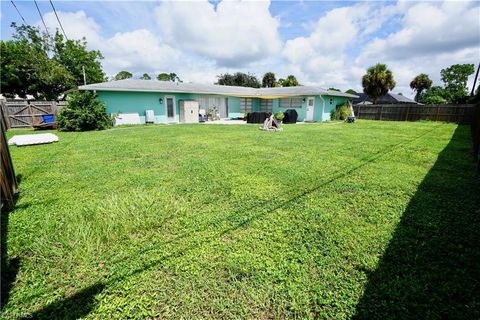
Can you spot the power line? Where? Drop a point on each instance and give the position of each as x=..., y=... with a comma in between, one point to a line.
x=58, y=20
x=18, y=12
x=38, y=9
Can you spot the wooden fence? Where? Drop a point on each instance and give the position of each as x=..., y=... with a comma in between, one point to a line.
x=413, y=112
x=24, y=113
x=476, y=135
x=8, y=182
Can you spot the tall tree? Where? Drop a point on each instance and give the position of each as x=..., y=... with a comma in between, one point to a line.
x=168, y=77
x=420, y=83
x=145, y=76
x=74, y=56
x=269, y=80
x=378, y=81
x=238, y=79
x=122, y=75
x=44, y=66
x=290, y=81
x=455, y=78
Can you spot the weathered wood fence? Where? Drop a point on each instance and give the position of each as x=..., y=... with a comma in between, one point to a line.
x=476, y=135
x=8, y=182
x=413, y=112
x=24, y=113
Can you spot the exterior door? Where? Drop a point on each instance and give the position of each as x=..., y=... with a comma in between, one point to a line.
x=310, y=109
x=170, y=108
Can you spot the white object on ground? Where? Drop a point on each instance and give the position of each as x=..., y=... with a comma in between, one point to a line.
x=30, y=139
x=127, y=118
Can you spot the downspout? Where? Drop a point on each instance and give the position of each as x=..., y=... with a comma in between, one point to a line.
x=323, y=106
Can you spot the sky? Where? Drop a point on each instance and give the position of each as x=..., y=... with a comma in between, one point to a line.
x=322, y=43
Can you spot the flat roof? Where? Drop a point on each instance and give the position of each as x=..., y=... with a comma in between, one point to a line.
x=181, y=87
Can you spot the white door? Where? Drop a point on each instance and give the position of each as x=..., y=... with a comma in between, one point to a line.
x=170, y=108
x=310, y=108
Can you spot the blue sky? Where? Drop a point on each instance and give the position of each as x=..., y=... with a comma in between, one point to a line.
x=324, y=43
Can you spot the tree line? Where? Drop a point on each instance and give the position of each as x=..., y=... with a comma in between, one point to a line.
x=379, y=80
x=46, y=66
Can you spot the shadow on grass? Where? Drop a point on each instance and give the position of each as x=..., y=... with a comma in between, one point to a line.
x=76, y=306
x=431, y=267
x=9, y=267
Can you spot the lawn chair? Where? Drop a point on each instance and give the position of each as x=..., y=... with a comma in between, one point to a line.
x=271, y=124
x=48, y=122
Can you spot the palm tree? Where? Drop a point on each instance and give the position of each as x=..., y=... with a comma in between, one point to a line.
x=378, y=81
x=269, y=80
x=420, y=83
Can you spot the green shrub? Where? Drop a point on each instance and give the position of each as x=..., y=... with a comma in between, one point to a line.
x=279, y=116
x=340, y=112
x=83, y=112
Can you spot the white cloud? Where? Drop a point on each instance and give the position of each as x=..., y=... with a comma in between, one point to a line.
x=236, y=34
x=137, y=51
x=322, y=56
x=198, y=43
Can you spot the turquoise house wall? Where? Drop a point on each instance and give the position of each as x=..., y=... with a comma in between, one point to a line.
x=138, y=102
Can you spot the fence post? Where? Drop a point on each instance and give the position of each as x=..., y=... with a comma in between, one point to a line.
x=408, y=111
x=381, y=111
x=5, y=119
x=436, y=116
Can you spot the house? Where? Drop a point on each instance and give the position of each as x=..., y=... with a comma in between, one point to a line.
x=135, y=97
x=389, y=98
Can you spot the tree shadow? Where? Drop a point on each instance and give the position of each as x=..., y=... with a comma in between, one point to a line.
x=76, y=306
x=431, y=267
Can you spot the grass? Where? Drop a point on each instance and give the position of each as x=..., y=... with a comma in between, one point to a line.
x=319, y=221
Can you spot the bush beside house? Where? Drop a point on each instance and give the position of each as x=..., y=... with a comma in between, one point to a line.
x=83, y=112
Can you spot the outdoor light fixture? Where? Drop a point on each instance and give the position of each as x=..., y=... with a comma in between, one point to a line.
x=303, y=99
x=160, y=100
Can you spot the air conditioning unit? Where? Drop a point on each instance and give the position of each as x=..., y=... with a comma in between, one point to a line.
x=149, y=116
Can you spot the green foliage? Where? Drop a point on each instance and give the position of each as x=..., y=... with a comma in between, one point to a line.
x=168, y=77
x=83, y=112
x=334, y=89
x=122, y=75
x=351, y=91
x=269, y=80
x=279, y=115
x=420, y=83
x=234, y=223
x=290, y=81
x=341, y=112
x=239, y=79
x=145, y=76
x=378, y=81
x=435, y=95
x=45, y=66
x=455, y=78
x=74, y=56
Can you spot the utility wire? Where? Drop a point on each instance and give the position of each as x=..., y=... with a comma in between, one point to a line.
x=58, y=20
x=18, y=12
x=38, y=9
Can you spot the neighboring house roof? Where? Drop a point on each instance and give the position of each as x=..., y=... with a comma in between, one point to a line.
x=386, y=99
x=181, y=87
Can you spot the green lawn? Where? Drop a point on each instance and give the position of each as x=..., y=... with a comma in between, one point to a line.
x=372, y=220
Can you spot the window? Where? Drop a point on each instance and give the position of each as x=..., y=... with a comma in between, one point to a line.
x=266, y=105
x=245, y=104
x=291, y=102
